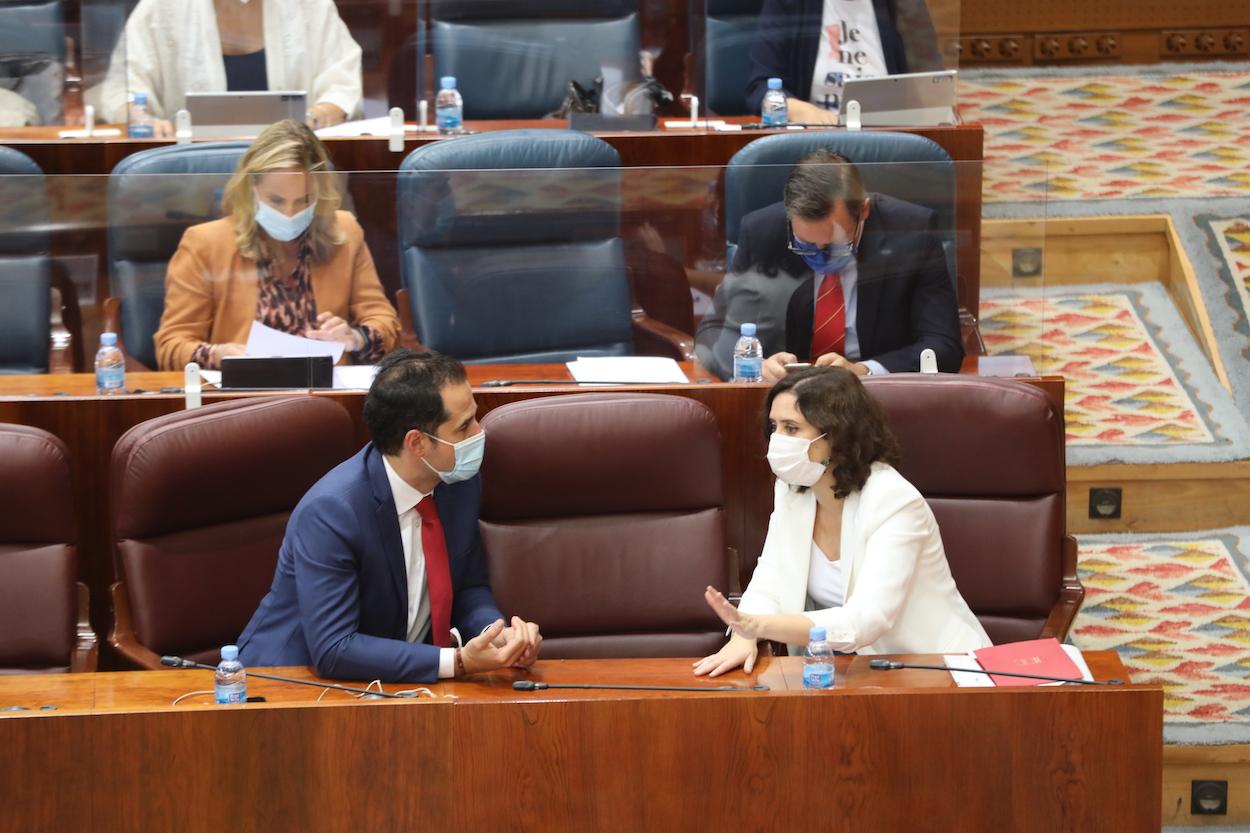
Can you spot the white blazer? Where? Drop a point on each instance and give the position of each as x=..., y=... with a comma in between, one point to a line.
x=172, y=47
x=900, y=596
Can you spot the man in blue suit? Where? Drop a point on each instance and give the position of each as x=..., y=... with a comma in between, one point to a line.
x=382, y=557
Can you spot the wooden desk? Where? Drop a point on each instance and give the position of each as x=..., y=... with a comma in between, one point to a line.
x=885, y=751
x=90, y=425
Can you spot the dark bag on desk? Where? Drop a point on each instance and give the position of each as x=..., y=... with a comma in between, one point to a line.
x=254, y=372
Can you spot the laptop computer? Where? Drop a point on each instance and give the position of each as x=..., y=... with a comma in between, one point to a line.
x=242, y=115
x=920, y=99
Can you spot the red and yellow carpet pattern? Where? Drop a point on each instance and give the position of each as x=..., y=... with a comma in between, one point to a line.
x=1120, y=388
x=1107, y=136
x=1178, y=614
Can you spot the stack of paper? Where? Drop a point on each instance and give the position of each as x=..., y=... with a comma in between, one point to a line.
x=967, y=679
x=627, y=370
x=268, y=342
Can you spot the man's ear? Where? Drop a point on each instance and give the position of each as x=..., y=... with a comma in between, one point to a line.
x=414, y=442
x=863, y=214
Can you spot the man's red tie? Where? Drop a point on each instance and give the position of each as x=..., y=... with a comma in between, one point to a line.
x=829, y=321
x=437, y=572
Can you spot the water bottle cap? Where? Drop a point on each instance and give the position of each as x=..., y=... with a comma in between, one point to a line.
x=748, y=330
x=229, y=653
x=774, y=83
x=448, y=82
x=108, y=339
x=816, y=635
x=140, y=98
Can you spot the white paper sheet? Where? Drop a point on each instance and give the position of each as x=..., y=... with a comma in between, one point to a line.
x=266, y=341
x=1005, y=366
x=653, y=370
x=211, y=377
x=965, y=679
x=381, y=126
x=354, y=376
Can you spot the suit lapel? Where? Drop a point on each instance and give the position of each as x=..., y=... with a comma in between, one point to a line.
x=870, y=283
x=444, y=504
x=388, y=531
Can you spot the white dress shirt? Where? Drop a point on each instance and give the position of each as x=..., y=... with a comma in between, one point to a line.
x=406, y=500
x=849, y=278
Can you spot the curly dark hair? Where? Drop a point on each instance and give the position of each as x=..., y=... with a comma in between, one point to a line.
x=836, y=403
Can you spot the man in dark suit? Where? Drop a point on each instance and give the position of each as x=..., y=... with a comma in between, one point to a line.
x=871, y=285
x=382, y=557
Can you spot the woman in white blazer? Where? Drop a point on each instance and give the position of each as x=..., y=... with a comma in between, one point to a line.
x=852, y=546
x=172, y=47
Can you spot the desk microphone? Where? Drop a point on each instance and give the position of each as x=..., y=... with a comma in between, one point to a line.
x=893, y=665
x=179, y=662
x=530, y=685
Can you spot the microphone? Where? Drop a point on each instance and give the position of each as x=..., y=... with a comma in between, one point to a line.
x=179, y=662
x=894, y=665
x=531, y=685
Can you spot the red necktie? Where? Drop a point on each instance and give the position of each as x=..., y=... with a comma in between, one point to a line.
x=437, y=572
x=829, y=320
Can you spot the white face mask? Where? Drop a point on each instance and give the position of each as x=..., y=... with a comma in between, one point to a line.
x=468, y=456
x=279, y=226
x=789, y=461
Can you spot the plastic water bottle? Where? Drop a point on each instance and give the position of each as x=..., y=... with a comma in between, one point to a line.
x=748, y=357
x=818, y=661
x=774, y=113
x=110, y=367
x=230, y=680
x=141, y=123
x=449, y=107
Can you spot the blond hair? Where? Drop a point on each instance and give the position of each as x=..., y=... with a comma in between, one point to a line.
x=284, y=146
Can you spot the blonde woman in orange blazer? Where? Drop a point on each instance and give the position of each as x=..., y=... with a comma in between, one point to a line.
x=284, y=255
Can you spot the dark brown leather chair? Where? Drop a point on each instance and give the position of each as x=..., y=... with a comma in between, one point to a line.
x=988, y=455
x=43, y=607
x=603, y=521
x=200, y=503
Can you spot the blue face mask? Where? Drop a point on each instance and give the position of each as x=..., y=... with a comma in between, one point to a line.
x=469, y=454
x=835, y=258
x=279, y=226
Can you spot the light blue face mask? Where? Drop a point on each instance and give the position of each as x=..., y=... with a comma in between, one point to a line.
x=827, y=260
x=279, y=226
x=469, y=454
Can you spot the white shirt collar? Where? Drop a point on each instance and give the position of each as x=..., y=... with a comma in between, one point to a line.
x=404, y=495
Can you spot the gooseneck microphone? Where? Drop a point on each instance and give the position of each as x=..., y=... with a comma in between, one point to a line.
x=894, y=665
x=179, y=662
x=530, y=685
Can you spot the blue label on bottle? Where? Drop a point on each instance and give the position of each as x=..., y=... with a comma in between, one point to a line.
x=141, y=131
x=818, y=675
x=110, y=378
x=235, y=693
x=448, y=118
x=748, y=368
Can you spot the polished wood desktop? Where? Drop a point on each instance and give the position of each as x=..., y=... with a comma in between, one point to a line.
x=66, y=405
x=885, y=751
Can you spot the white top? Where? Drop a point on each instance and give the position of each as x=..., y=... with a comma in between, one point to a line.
x=900, y=597
x=825, y=586
x=171, y=47
x=406, y=500
x=850, y=47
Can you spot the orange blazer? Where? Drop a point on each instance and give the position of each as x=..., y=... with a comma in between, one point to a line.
x=211, y=291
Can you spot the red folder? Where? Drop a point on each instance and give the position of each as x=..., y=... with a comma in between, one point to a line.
x=1037, y=656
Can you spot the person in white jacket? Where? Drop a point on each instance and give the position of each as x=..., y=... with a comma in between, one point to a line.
x=852, y=546
x=172, y=47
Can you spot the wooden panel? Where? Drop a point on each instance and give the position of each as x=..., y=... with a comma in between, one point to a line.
x=978, y=16
x=1162, y=498
x=1182, y=765
x=612, y=760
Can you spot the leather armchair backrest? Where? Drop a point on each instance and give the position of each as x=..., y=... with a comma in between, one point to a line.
x=38, y=556
x=510, y=247
x=153, y=197
x=988, y=455
x=602, y=519
x=25, y=267
x=32, y=27
x=730, y=30
x=902, y=165
x=538, y=47
x=200, y=502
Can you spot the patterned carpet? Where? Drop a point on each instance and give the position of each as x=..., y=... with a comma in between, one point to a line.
x=1177, y=611
x=1121, y=388
x=1111, y=136
x=1231, y=238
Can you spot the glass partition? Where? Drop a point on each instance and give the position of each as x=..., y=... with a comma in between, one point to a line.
x=37, y=63
x=539, y=266
x=738, y=45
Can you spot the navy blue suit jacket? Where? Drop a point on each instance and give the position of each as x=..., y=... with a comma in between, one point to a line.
x=905, y=301
x=339, y=600
x=788, y=38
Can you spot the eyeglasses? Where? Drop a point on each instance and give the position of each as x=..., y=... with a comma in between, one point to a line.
x=833, y=250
